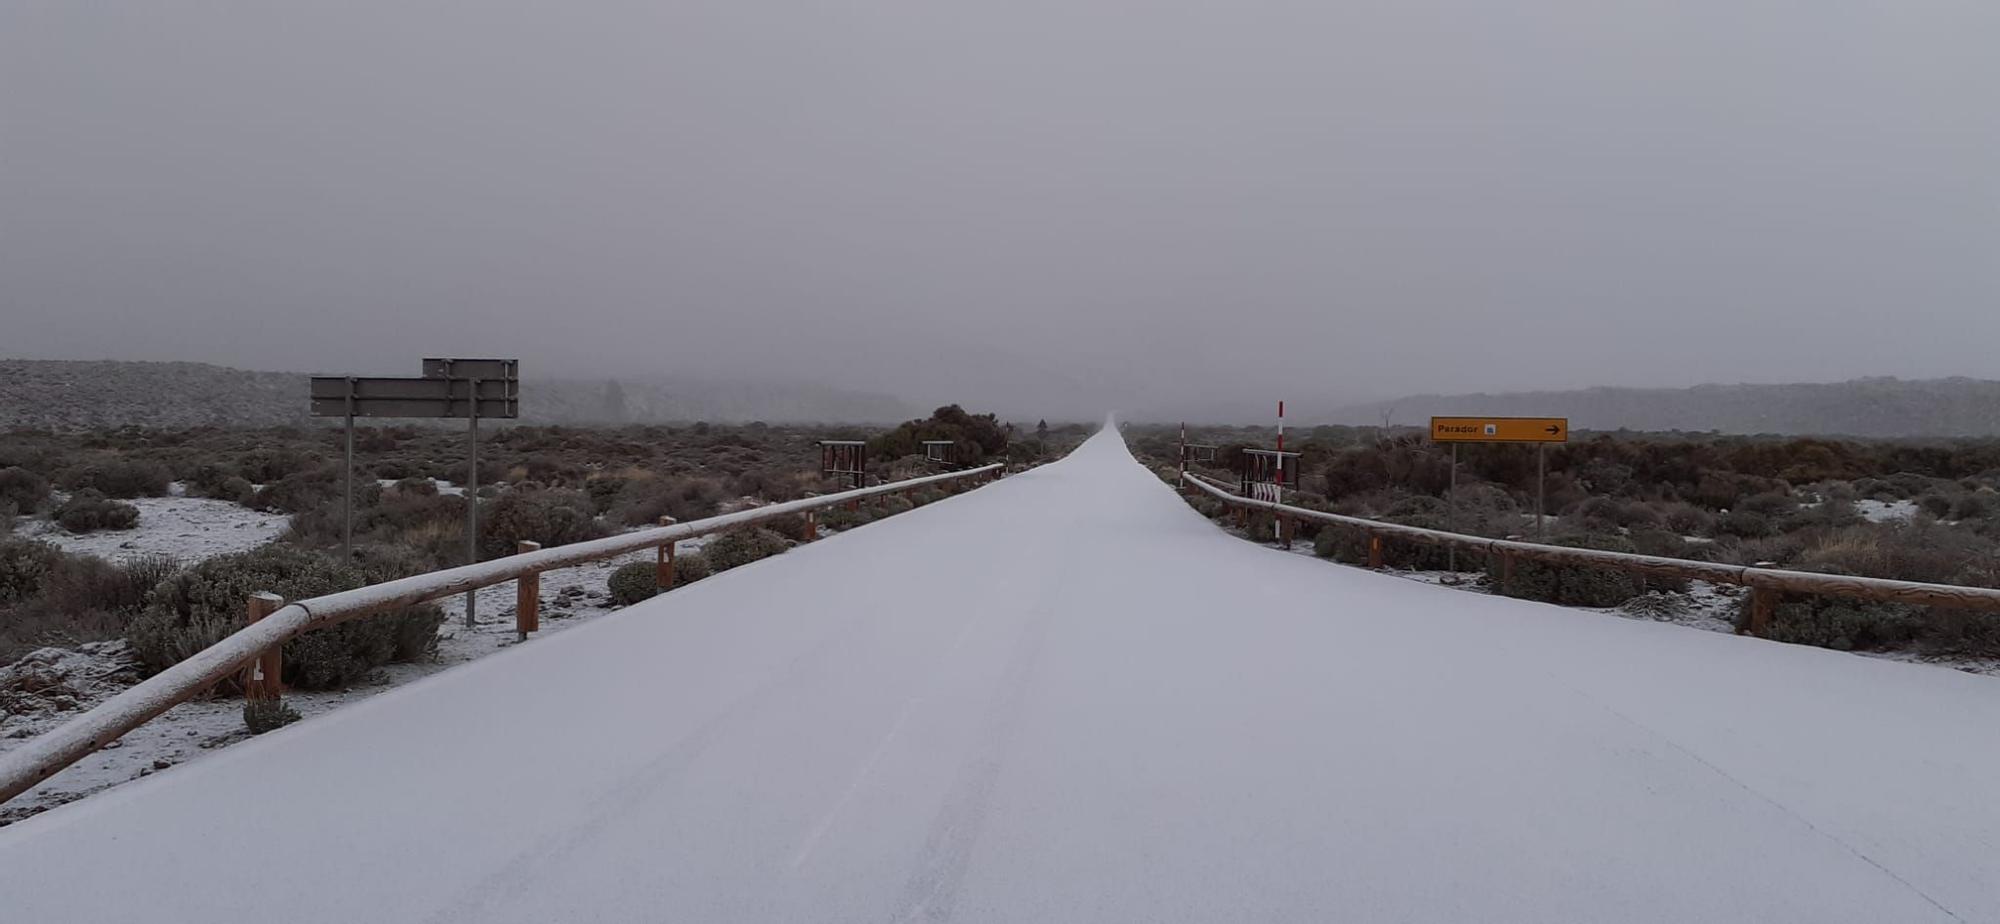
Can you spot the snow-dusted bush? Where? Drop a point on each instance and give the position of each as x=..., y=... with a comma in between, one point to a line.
x=1571, y=585
x=23, y=567
x=550, y=516
x=22, y=490
x=635, y=582
x=262, y=715
x=89, y=510
x=119, y=478
x=643, y=501
x=199, y=606
x=743, y=546
x=302, y=491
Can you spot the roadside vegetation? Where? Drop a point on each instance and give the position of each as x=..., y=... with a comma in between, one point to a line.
x=1920, y=510
x=552, y=485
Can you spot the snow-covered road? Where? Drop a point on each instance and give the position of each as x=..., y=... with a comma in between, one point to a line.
x=1067, y=697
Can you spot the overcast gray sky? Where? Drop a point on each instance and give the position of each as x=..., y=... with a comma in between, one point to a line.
x=1072, y=205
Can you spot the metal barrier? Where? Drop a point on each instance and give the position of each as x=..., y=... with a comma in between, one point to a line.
x=1766, y=584
x=56, y=749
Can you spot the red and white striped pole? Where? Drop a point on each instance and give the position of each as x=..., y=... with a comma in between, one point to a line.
x=1281, y=450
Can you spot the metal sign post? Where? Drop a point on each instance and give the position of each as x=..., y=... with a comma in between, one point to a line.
x=844, y=459
x=490, y=388
x=1538, y=430
x=941, y=452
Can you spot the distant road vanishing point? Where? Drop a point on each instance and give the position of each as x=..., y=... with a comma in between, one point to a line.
x=1068, y=697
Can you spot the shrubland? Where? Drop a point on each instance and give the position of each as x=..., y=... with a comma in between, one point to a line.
x=1922, y=510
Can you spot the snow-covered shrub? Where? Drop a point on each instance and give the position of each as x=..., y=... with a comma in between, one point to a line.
x=1571, y=585
x=843, y=518
x=80, y=584
x=1687, y=519
x=1744, y=524
x=24, y=566
x=22, y=490
x=302, y=491
x=643, y=501
x=118, y=478
x=262, y=715
x=89, y=510
x=635, y=582
x=199, y=606
x=550, y=516
x=220, y=482
x=1843, y=625
x=743, y=546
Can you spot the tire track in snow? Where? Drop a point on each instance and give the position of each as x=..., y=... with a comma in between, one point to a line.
x=932, y=890
x=618, y=801
x=1758, y=794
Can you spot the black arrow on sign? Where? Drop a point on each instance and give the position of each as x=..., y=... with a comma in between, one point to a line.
x=1553, y=429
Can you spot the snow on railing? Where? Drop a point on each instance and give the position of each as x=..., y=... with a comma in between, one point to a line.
x=49, y=753
x=1766, y=584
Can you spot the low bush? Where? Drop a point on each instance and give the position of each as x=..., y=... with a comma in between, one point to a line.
x=1844, y=625
x=22, y=490
x=122, y=478
x=89, y=510
x=199, y=606
x=82, y=584
x=1744, y=524
x=550, y=516
x=742, y=546
x=262, y=715
x=635, y=582
x=1571, y=585
x=221, y=483
x=24, y=565
x=643, y=501
x=300, y=492
x=690, y=567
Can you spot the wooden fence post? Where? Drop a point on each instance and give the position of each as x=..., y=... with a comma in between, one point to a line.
x=1763, y=606
x=811, y=530
x=527, y=595
x=663, y=569
x=263, y=677
x=1506, y=573
x=1285, y=527
x=1374, y=550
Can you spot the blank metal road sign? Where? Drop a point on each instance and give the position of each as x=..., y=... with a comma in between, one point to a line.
x=394, y=397
x=1500, y=429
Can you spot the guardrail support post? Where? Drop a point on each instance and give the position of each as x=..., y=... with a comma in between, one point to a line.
x=262, y=677
x=1506, y=574
x=1285, y=527
x=663, y=569
x=811, y=530
x=1374, y=550
x=527, y=596
x=1763, y=606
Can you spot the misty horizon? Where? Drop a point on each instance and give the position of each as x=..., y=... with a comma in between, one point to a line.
x=1046, y=209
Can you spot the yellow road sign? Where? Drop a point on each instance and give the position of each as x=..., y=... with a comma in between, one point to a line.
x=1500, y=429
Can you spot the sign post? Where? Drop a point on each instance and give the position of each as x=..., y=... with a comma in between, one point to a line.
x=449, y=388
x=846, y=460
x=1538, y=430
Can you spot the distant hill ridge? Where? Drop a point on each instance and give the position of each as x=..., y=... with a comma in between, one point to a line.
x=1869, y=407
x=76, y=395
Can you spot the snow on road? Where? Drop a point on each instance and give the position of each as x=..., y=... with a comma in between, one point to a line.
x=1069, y=697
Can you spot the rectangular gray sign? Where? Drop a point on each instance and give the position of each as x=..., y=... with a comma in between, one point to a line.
x=482, y=369
x=396, y=397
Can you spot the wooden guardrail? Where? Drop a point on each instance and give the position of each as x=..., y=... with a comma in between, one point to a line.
x=1766, y=585
x=271, y=624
